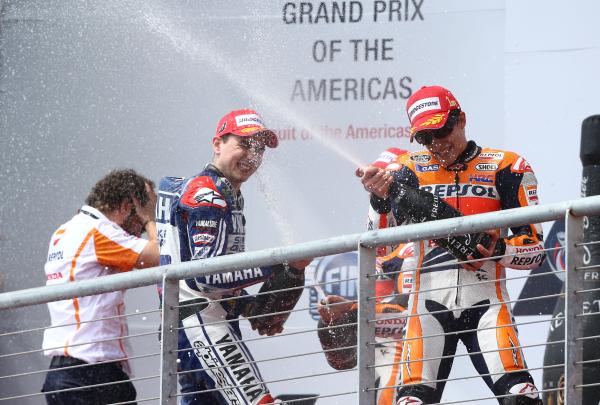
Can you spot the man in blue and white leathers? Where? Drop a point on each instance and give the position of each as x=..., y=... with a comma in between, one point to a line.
x=202, y=217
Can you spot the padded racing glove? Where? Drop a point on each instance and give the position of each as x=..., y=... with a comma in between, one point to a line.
x=261, y=306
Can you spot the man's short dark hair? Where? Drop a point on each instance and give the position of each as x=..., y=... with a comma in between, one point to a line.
x=117, y=187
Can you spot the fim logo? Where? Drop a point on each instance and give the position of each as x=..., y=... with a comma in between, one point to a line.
x=332, y=275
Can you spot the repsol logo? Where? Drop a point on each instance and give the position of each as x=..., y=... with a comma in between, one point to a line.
x=491, y=155
x=527, y=260
x=389, y=331
x=461, y=190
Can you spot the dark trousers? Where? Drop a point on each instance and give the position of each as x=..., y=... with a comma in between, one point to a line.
x=60, y=378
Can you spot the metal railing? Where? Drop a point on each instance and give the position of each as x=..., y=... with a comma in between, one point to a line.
x=365, y=243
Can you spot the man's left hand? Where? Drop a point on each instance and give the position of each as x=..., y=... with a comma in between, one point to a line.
x=485, y=252
x=270, y=327
x=300, y=264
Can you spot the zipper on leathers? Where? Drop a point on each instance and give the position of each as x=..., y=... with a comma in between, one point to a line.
x=456, y=183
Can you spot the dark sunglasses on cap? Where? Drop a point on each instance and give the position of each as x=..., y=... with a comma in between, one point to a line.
x=426, y=136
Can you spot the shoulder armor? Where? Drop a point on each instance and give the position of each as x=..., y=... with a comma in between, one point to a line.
x=201, y=191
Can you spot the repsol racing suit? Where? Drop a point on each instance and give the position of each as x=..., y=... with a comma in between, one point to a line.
x=198, y=218
x=450, y=302
x=392, y=287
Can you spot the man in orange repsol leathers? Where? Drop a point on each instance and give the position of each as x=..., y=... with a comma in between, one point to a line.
x=452, y=300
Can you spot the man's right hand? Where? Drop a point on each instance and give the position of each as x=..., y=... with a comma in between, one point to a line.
x=333, y=307
x=147, y=212
x=375, y=180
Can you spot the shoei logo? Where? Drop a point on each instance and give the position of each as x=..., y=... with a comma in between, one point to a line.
x=425, y=104
x=248, y=119
x=332, y=275
x=486, y=167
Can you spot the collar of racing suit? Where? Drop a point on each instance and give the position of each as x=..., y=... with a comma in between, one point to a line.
x=471, y=151
x=228, y=186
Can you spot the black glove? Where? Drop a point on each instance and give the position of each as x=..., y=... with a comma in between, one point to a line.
x=343, y=336
x=422, y=206
x=285, y=277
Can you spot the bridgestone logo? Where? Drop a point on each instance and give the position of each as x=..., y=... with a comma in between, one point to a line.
x=426, y=104
x=248, y=119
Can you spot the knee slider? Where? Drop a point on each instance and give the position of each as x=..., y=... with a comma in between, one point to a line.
x=524, y=393
x=409, y=401
x=416, y=395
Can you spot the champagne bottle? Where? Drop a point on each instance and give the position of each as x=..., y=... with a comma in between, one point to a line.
x=421, y=206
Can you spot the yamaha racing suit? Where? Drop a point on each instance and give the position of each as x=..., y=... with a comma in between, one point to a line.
x=449, y=302
x=198, y=218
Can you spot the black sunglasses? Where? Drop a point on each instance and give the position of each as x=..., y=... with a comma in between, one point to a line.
x=425, y=137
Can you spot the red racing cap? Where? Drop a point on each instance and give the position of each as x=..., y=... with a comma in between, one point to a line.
x=246, y=123
x=429, y=108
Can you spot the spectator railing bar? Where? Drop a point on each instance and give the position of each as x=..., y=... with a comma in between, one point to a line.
x=366, y=243
x=313, y=375
x=470, y=330
x=141, y=356
x=19, y=332
x=346, y=243
x=472, y=353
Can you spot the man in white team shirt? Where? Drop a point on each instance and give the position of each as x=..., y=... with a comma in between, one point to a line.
x=102, y=239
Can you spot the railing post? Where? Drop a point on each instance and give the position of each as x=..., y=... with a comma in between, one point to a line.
x=365, y=349
x=169, y=342
x=573, y=307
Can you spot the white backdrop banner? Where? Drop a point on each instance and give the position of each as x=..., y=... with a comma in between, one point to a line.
x=87, y=87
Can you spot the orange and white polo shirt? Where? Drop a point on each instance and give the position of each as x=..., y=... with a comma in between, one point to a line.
x=86, y=247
